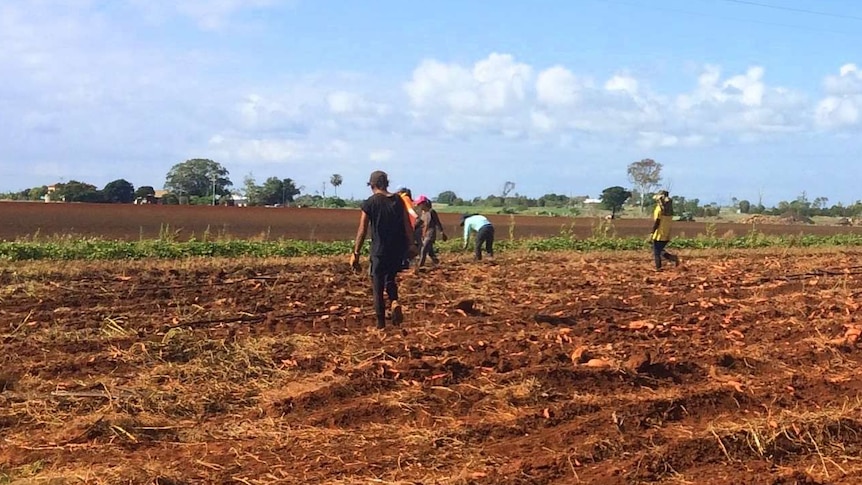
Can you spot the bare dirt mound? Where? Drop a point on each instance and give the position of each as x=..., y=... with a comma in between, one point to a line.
x=549, y=368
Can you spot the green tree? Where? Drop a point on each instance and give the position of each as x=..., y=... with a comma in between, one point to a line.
x=35, y=193
x=336, y=180
x=270, y=191
x=446, y=197
x=335, y=202
x=198, y=177
x=508, y=187
x=278, y=191
x=74, y=191
x=145, y=191
x=119, y=191
x=744, y=206
x=289, y=190
x=614, y=197
x=252, y=190
x=645, y=176
x=819, y=203
x=308, y=200
x=710, y=210
x=692, y=206
x=552, y=200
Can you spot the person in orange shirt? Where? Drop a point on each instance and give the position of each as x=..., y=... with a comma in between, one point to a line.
x=407, y=197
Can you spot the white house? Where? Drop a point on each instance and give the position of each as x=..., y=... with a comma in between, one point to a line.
x=239, y=200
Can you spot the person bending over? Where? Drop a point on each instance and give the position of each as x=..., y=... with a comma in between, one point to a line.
x=484, y=234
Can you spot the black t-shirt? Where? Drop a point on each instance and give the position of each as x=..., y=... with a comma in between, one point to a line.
x=387, y=225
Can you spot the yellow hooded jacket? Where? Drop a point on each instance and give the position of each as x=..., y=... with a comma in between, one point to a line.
x=662, y=217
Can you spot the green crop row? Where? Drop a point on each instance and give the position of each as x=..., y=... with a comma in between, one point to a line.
x=99, y=249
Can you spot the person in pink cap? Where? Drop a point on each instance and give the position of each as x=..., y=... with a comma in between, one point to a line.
x=429, y=225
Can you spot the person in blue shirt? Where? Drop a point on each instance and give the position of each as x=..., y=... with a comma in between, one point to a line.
x=484, y=234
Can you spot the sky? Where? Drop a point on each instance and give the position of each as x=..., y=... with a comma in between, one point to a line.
x=756, y=100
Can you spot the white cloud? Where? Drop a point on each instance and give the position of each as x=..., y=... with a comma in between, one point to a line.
x=342, y=102
x=622, y=83
x=745, y=89
x=469, y=98
x=739, y=105
x=656, y=140
x=838, y=111
x=557, y=86
x=257, y=150
x=241, y=150
x=207, y=14
x=651, y=140
x=304, y=105
x=842, y=106
x=350, y=105
x=96, y=79
x=542, y=122
x=847, y=83
x=381, y=155
x=494, y=96
x=748, y=87
x=259, y=112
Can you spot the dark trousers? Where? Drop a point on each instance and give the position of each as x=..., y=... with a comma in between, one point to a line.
x=484, y=236
x=659, y=253
x=428, y=251
x=383, y=273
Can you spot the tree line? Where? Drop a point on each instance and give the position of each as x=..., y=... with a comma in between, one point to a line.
x=197, y=181
x=206, y=182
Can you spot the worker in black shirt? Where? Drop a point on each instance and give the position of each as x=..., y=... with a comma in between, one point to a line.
x=391, y=240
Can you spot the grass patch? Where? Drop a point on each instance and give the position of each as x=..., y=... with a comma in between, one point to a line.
x=108, y=250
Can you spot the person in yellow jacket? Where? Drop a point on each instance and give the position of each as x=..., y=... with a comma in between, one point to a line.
x=662, y=219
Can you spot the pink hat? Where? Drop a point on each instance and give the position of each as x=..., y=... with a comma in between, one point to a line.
x=421, y=200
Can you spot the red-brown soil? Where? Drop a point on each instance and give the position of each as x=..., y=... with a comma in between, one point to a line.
x=132, y=222
x=737, y=368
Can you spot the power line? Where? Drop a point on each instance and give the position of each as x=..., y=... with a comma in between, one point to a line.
x=793, y=9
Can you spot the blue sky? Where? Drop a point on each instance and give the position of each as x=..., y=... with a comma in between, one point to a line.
x=735, y=98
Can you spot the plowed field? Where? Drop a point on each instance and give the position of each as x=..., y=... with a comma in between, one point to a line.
x=132, y=222
x=552, y=368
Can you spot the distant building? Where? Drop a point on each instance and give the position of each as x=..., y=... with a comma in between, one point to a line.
x=51, y=196
x=155, y=198
x=239, y=200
